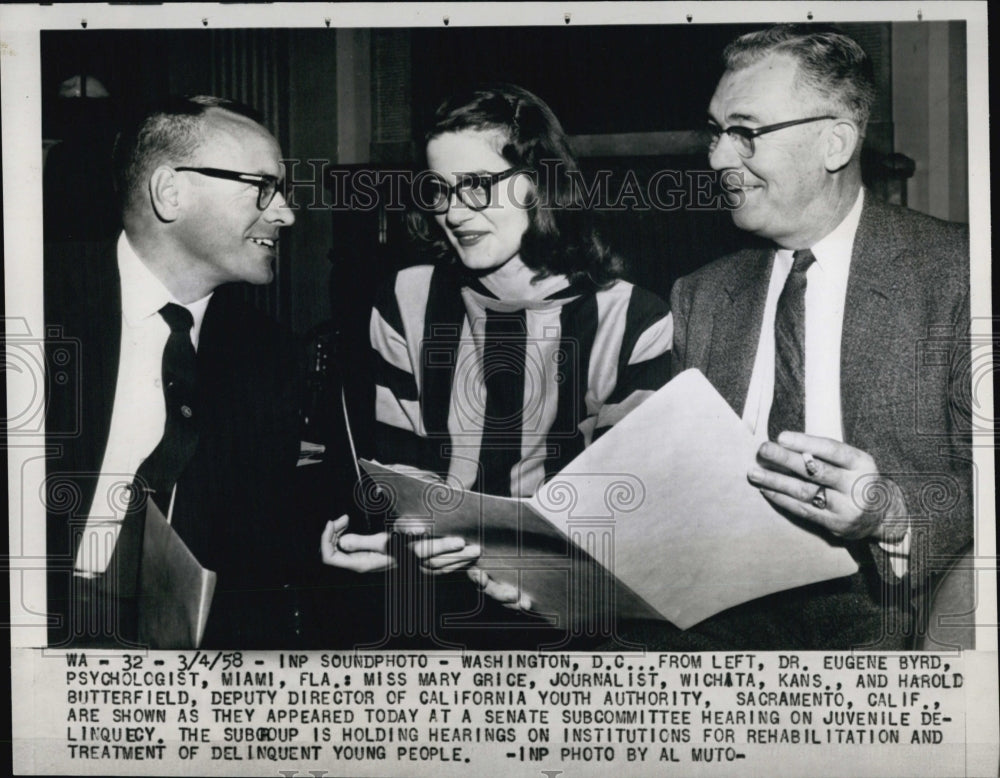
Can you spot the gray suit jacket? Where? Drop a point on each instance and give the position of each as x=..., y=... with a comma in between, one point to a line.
x=905, y=391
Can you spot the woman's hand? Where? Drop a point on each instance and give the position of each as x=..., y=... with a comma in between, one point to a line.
x=506, y=594
x=360, y=553
x=369, y=553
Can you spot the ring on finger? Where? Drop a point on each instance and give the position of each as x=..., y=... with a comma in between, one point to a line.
x=812, y=466
x=819, y=499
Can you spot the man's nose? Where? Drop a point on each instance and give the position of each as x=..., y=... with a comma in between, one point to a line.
x=279, y=212
x=724, y=155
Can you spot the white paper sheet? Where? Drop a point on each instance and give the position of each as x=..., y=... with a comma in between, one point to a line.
x=691, y=535
x=661, y=501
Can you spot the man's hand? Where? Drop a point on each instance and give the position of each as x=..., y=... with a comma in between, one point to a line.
x=796, y=472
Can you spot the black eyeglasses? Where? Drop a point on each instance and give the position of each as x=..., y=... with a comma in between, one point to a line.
x=475, y=190
x=267, y=186
x=743, y=137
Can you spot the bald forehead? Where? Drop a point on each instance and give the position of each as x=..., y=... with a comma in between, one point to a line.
x=760, y=90
x=773, y=72
x=231, y=139
x=220, y=119
x=222, y=125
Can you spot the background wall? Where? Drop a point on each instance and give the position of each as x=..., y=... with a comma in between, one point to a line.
x=930, y=107
x=629, y=95
x=318, y=120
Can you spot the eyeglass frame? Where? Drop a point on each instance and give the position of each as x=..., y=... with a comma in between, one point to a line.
x=463, y=182
x=260, y=180
x=750, y=134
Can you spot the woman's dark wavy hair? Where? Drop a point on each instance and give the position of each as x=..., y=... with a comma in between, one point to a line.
x=561, y=238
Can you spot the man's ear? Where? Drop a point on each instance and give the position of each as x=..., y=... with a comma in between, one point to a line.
x=841, y=142
x=164, y=194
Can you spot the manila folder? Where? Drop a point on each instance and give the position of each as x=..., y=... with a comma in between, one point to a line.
x=175, y=591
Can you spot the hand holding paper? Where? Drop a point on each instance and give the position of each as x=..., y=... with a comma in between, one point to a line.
x=656, y=518
x=858, y=502
x=358, y=553
x=370, y=553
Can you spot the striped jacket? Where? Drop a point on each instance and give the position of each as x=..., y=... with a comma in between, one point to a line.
x=498, y=396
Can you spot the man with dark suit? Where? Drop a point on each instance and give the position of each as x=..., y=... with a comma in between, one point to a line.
x=821, y=342
x=199, y=180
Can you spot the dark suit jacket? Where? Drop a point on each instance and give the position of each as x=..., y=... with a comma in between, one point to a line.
x=237, y=487
x=905, y=386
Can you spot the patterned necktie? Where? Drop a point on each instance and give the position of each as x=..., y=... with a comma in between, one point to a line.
x=161, y=469
x=789, y=402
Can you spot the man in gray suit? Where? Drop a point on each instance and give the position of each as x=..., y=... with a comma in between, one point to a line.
x=834, y=344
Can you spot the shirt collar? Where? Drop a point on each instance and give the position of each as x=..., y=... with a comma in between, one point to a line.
x=833, y=251
x=143, y=294
x=549, y=293
x=836, y=247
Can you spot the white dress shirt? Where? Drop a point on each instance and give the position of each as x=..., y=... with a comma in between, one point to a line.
x=139, y=412
x=826, y=292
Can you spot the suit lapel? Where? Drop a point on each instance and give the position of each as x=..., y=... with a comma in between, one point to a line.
x=96, y=314
x=736, y=327
x=82, y=307
x=870, y=318
x=212, y=339
x=110, y=326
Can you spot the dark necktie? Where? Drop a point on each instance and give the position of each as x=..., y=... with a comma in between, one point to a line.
x=789, y=402
x=161, y=469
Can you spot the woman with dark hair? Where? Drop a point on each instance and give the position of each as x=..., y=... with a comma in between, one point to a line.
x=517, y=125
x=520, y=345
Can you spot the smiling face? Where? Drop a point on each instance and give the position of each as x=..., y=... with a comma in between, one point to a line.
x=485, y=240
x=221, y=229
x=789, y=195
